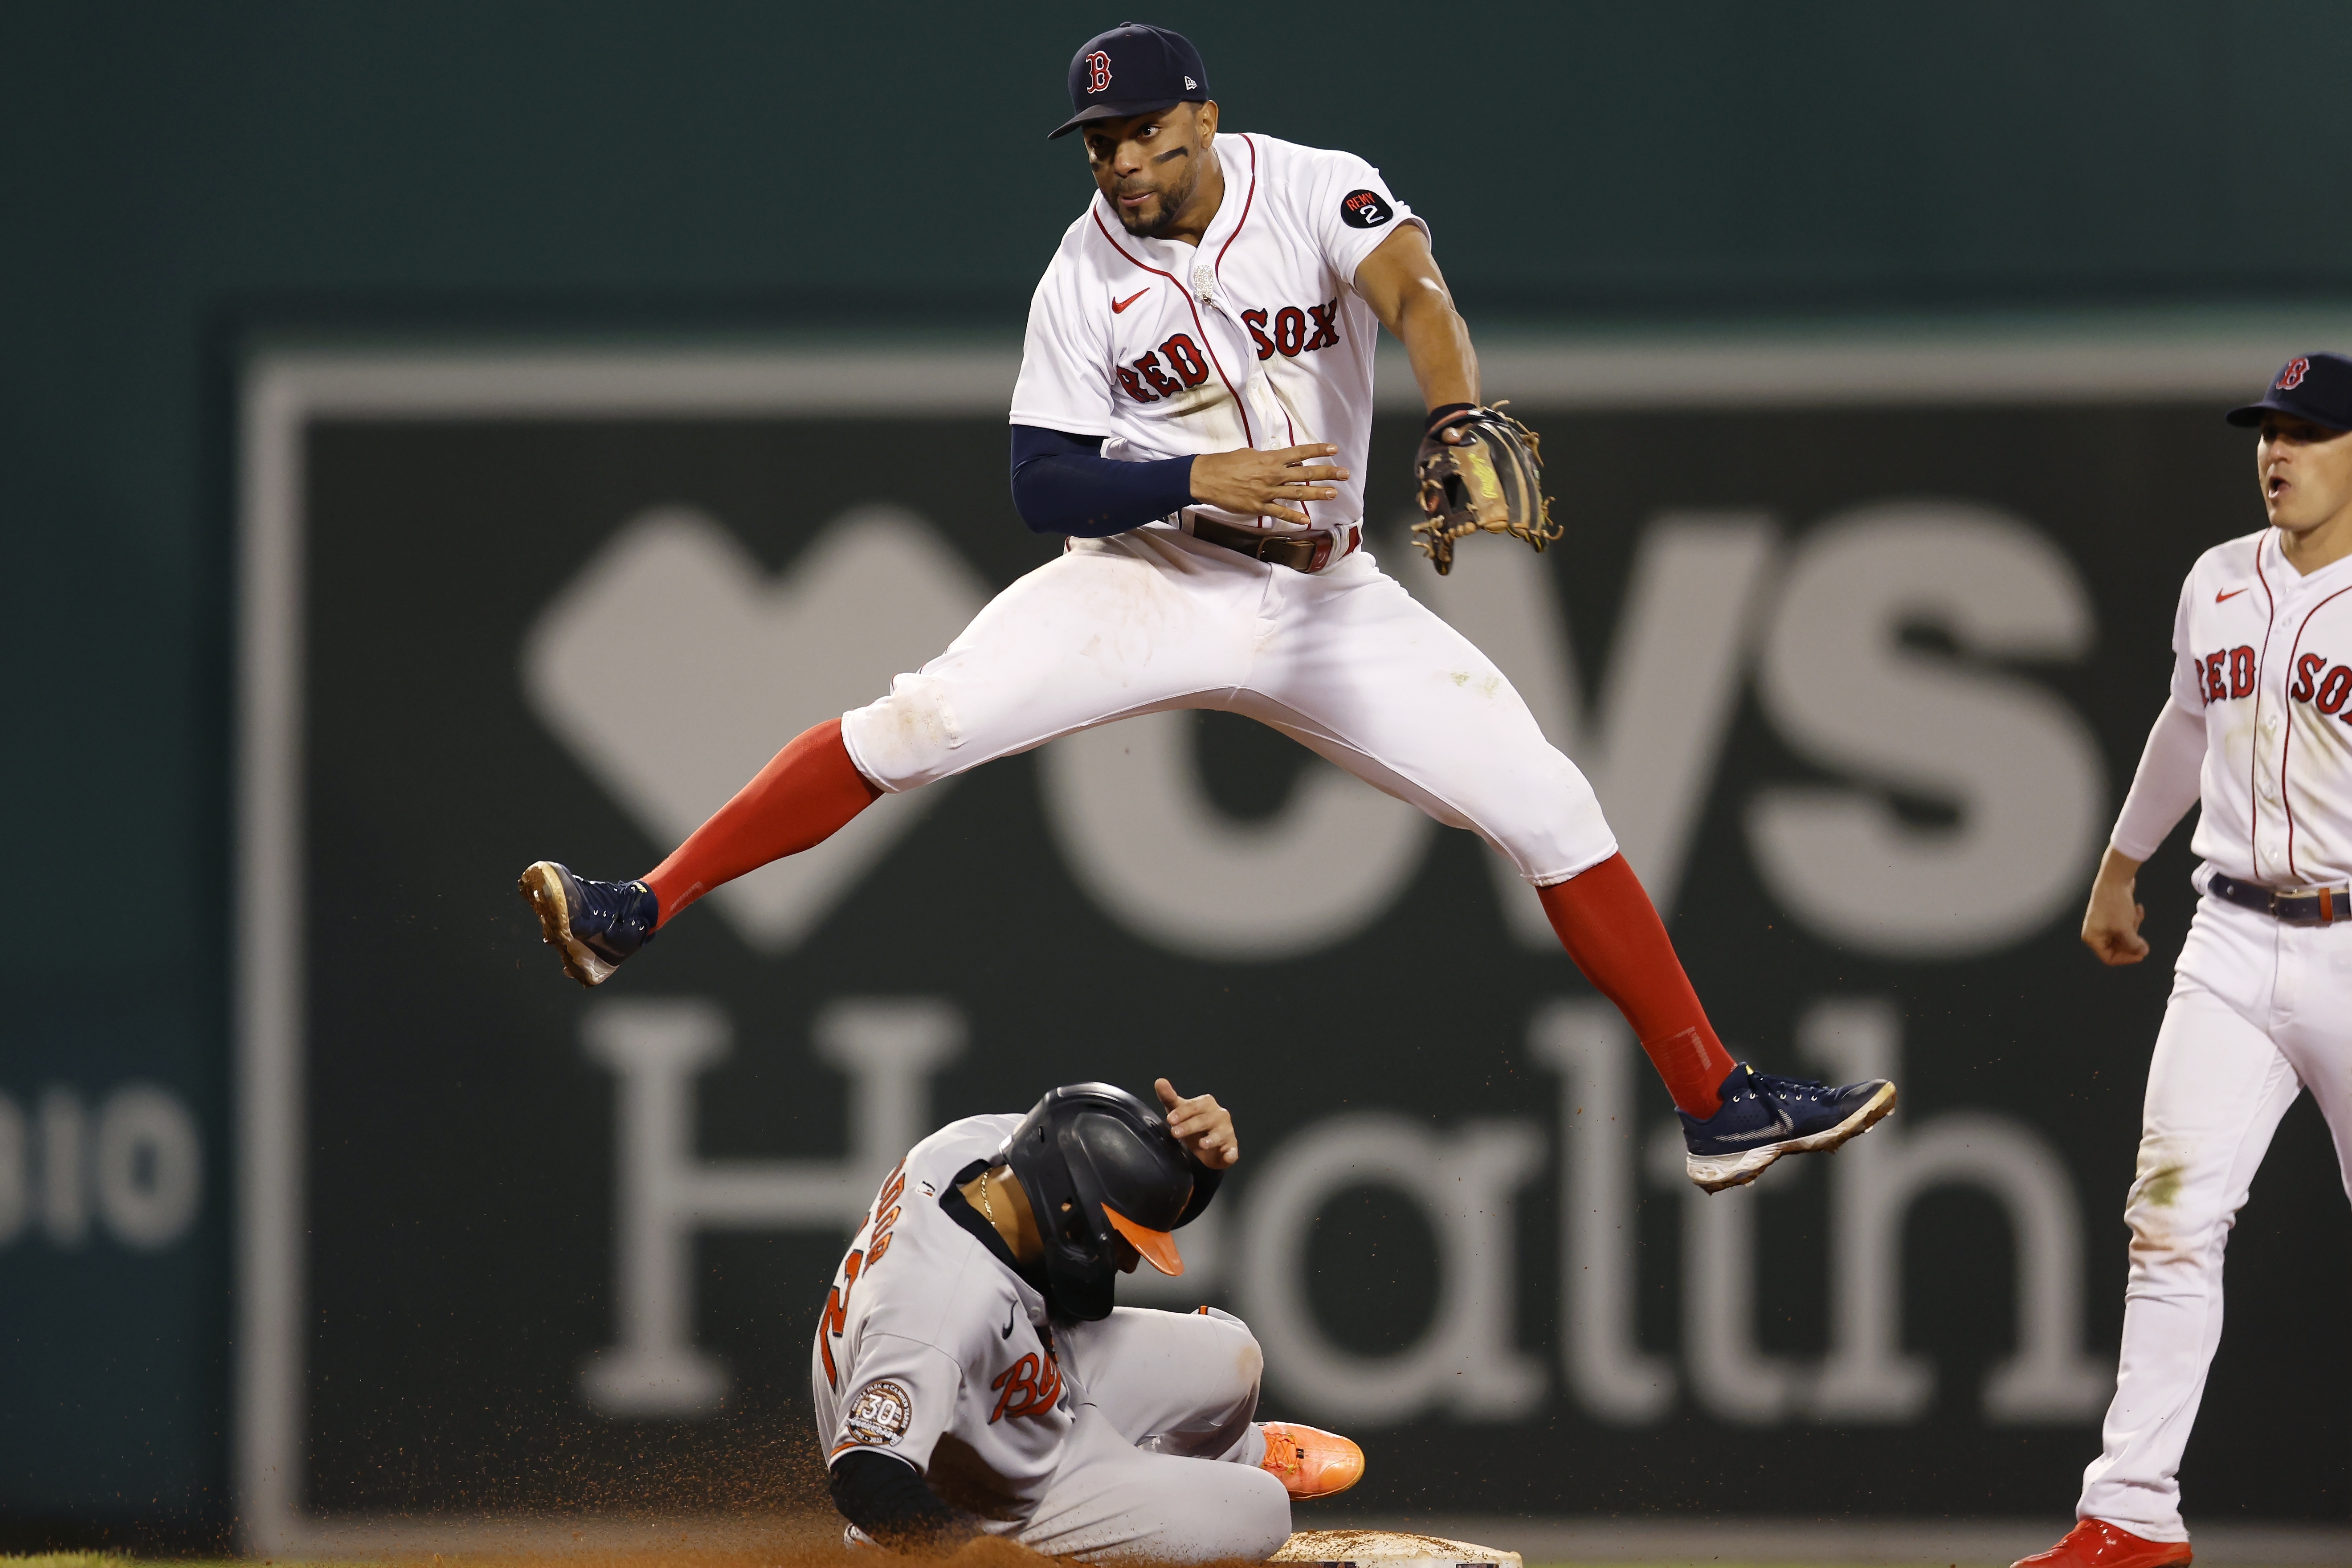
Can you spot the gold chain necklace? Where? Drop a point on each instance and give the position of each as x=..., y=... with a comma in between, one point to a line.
x=983, y=1200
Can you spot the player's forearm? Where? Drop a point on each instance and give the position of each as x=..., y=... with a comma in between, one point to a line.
x=2117, y=868
x=1437, y=341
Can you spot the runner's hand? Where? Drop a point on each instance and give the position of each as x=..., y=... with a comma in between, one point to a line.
x=1201, y=1125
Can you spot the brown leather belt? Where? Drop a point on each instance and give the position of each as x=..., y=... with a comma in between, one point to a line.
x=2306, y=906
x=1309, y=552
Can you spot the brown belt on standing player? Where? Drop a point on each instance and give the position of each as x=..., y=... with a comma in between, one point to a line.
x=1307, y=552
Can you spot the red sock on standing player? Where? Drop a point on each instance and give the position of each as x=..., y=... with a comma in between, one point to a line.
x=1611, y=930
x=804, y=795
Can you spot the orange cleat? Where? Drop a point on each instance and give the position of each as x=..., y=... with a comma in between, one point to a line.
x=1310, y=1462
x=2095, y=1543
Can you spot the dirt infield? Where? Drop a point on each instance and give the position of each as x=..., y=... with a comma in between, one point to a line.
x=794, y=1546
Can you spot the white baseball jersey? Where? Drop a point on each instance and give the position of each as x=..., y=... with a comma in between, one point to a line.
x=1252, y=338
x=2266, y=653
x=931, y=1349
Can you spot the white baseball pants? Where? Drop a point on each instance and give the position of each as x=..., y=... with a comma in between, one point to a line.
x=1162, y=1460
x=1344, y=661
x=2260, y=1012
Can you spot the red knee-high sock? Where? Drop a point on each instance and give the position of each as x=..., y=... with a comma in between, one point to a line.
x=802, y=797
x=1613, y=931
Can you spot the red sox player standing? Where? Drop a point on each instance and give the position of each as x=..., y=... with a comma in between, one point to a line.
x=2257, y=728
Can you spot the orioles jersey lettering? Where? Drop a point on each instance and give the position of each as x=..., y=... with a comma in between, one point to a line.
x=1031, y=1387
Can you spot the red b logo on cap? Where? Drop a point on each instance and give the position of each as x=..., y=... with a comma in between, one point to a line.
x=2291, y=376
x=1098, y=73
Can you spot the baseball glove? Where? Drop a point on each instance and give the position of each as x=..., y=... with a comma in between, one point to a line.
x=1492, y=481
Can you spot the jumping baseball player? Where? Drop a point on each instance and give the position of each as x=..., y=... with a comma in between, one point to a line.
x=2257, y=732
x=972, y=1377
x=1199, y=353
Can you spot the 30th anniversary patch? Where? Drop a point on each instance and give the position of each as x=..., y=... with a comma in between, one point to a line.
x=880, y=1415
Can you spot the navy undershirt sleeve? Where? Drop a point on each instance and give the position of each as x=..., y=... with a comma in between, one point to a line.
x=1063, y=484
x=883, y=1496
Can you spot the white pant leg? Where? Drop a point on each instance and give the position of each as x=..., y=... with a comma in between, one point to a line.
x=2217, y=1086
x=1174, y=1382
x=1110, y=1499
x=1144, y=621
x=1346, y=662
x=1363, y=673
x=2311, y=1020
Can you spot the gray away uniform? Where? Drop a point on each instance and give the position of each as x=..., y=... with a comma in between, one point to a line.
x=1128, y=1436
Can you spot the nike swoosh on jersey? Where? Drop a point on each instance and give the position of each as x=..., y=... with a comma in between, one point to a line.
x=1009, y=1313
x=2225, y=598
x=1119, y=305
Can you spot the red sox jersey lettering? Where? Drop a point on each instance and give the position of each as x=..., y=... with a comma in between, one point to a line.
x=2240, y=683
x=1255, y=337
x=1291, y=337
x=2331, y=689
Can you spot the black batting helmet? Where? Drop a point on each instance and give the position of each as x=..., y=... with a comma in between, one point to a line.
x=1096, y=1161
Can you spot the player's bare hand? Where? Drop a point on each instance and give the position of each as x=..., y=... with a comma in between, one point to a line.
x=1201, y=1124
x=1267, y=484
x=2111, y=925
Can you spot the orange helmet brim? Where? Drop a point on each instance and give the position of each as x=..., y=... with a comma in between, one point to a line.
x=1157, y=1248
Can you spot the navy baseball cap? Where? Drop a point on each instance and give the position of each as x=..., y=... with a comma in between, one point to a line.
x=1134, y=68
x=2317, y=387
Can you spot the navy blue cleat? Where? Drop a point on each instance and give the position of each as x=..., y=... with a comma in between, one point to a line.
x=593, y=925
x=1764, y=1118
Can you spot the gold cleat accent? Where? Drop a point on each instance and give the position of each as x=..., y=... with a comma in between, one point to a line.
x=542, y=884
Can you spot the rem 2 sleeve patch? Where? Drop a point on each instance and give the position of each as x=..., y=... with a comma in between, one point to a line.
x=880, y=1415
x=1364, y=209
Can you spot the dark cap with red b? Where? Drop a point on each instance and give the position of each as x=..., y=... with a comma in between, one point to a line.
x=1134, y=68
x=2316, y=386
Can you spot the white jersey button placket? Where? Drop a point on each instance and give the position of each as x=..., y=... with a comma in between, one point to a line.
x=2266, y=812
x=1257, y=387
